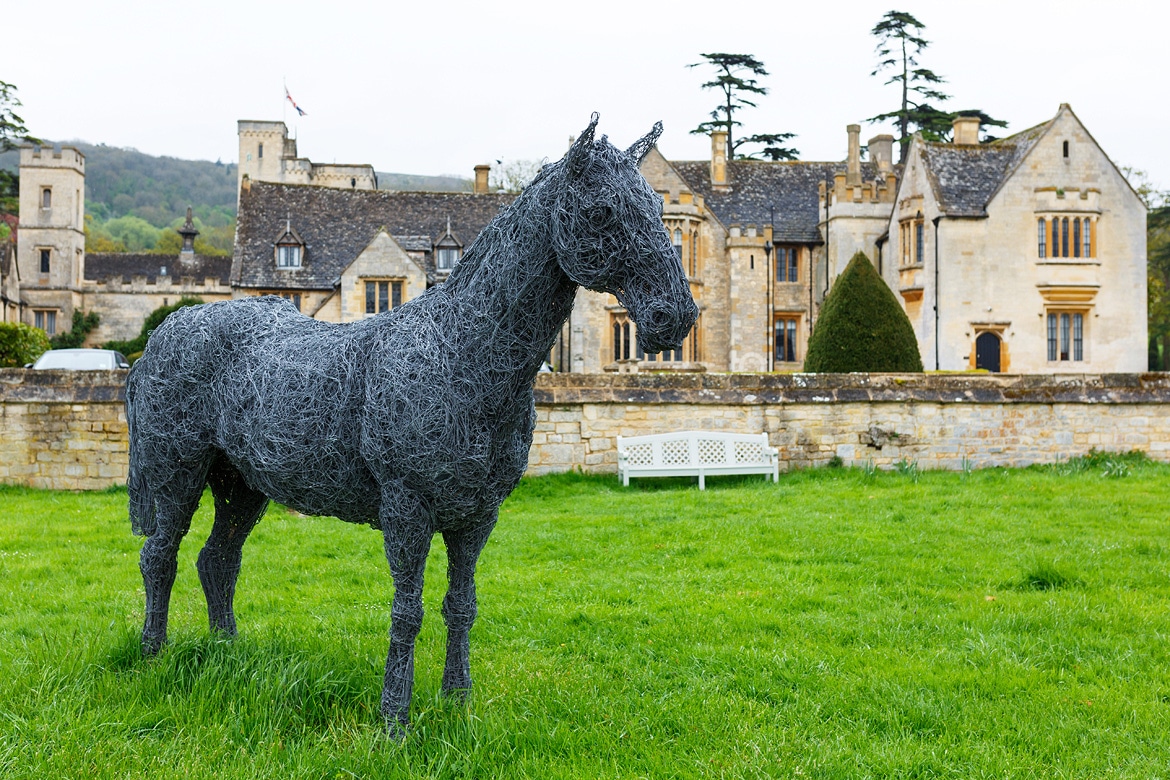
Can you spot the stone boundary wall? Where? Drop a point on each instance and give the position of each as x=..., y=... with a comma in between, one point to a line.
x=64, y=430
x=939, y=421
x=67, y=430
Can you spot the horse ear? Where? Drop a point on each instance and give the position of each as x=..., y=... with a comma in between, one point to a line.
x=578, y=157
x=643, y=145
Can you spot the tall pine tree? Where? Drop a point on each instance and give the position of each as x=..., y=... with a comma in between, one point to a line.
x=900, y=43
x=735, y=79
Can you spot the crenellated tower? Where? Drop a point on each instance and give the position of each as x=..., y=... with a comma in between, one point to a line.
x=51, y=251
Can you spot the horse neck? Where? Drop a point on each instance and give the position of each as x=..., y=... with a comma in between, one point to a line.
x=511, y=279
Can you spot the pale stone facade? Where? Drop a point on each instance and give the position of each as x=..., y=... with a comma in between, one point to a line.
x=987, y=282
x=763, y=243
x=382, y=269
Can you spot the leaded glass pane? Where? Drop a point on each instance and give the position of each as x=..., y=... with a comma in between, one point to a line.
x=1078, y=337
x=1052, y=337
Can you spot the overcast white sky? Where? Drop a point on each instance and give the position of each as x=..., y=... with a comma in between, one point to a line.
x=437, y=87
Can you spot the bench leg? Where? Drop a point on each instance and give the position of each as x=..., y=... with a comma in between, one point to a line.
x=702, y=482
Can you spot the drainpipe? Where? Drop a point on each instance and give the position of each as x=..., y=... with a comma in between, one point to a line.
x=936, y=220
x=827, y=232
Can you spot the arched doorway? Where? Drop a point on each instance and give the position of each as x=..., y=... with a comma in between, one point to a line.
x=987, y=351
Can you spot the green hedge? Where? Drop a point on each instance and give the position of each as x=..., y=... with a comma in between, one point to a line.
x=153, y=320
x=862, y=327
x=20, y=344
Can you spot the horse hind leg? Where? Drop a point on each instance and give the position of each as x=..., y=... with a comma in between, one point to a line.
x=237, y=510
x=459, y=605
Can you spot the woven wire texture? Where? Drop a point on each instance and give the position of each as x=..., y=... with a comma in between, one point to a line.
x=416, y=421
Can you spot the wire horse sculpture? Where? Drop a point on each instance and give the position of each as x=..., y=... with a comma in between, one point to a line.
x=417, y=421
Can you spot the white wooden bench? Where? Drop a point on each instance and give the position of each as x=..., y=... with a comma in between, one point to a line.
x=696, y=454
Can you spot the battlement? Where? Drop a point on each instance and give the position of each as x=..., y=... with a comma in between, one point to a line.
x=68, y=157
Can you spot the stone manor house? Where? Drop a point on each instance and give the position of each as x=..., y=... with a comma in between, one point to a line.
x=1025, y=254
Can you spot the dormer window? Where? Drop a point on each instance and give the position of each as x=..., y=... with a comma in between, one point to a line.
x=288, y=256
x=448, y=250
x=290, y=249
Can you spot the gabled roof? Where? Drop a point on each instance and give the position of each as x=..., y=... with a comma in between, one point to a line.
x=755, y=187
x=338, y=224
x=965, y=178
x=101, y=266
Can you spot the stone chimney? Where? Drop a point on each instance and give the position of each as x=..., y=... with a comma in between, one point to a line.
x=188, y=232
x=966, y=131
x=719, y=158
x=881, y=151
x=481, y=179
x=853, y=161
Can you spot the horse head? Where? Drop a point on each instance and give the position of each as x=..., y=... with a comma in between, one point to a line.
x=609, y=237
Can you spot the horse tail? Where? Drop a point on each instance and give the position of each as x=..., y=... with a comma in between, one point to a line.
x=142, y=513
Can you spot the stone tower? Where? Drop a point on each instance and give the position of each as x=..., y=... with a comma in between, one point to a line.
x=51, y=250
x=263, y=148
x=268, y=154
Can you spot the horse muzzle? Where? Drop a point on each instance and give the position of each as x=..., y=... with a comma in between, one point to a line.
x=663, y=325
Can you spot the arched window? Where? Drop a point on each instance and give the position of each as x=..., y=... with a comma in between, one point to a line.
x=1087, y=235
x=694, y=253
x=47, y=198
x=1041, y=237
x=622, y=335
x=1064, y=237
x=678, y=243
x=1076, y=245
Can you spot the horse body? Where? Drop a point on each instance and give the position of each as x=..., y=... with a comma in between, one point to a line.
x=417, y=421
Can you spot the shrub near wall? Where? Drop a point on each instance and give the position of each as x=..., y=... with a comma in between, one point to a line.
x=20, y=344
x=862, y=327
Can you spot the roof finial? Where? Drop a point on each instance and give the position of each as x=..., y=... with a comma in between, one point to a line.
x=188, y=232
x=448, y=225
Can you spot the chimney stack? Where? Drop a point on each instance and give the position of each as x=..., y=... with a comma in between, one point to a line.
x=881, y=151
x=966, y=130
x=853, y=162
x=481, y=179
x=719, y=157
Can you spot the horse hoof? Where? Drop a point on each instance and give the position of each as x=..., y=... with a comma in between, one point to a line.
x=458, y=693
x=397, y=730
x=151, y=646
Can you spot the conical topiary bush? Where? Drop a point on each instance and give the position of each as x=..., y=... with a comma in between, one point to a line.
x=862, y=327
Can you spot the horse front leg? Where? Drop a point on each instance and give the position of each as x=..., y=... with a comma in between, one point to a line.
x=459, y=605
x=407, y=535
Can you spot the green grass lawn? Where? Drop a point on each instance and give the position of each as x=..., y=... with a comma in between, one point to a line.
x=1002, y=623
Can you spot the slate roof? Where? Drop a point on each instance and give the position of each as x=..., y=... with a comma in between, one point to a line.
x=964, y=178
x=101, y=266
x=755, y=186
x=337, y=224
